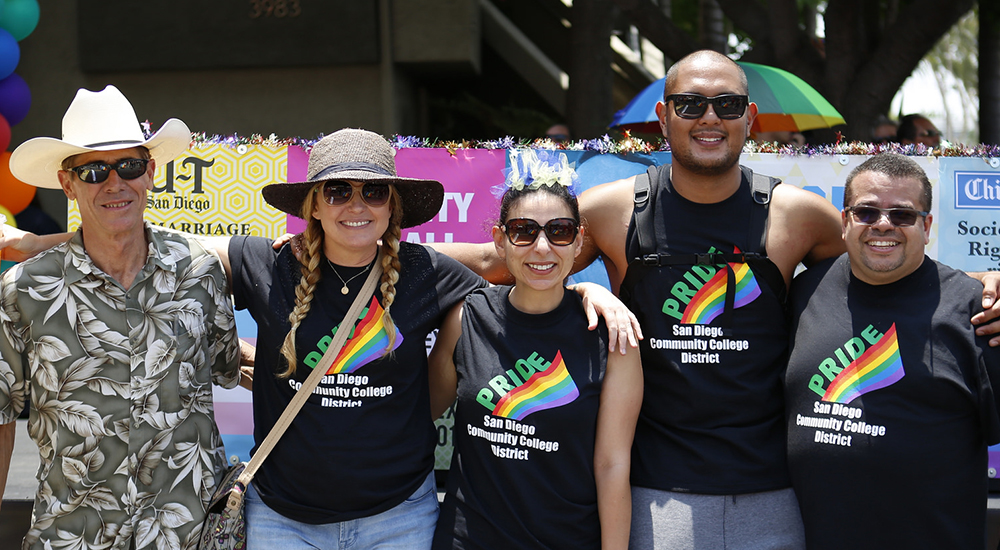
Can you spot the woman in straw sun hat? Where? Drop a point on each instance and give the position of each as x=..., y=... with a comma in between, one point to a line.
x=358, y=457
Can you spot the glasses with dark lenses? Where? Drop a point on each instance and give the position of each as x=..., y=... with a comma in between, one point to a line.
x=97, y=172
x=524, y=231
x=726, y=106
x=900, y=217
x=338, y=192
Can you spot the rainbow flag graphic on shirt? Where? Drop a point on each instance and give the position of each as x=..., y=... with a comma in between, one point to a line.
x=710, y=299
x=879, y=366
x=547, y=389
x=367, y=343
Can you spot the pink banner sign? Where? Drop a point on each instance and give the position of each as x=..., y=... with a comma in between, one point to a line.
x=469, y=208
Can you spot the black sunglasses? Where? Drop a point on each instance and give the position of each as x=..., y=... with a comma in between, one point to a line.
x=726, y=106
x=524, y=231
x=900, y=217
x=97, y=172
x=339, y=192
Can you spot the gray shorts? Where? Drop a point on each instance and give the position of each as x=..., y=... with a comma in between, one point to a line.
x=683, y=521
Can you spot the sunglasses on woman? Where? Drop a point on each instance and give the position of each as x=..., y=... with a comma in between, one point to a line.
x=900, y=217
x=726, y=106
x=98, y=172
x=524, y=231
x=338, y=192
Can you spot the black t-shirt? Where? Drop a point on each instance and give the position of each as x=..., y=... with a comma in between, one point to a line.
x=890, y=409
x=712, y=414
x=364, y=441
x=529, y=387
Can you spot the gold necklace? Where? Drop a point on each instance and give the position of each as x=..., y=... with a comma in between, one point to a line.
x=344, y=290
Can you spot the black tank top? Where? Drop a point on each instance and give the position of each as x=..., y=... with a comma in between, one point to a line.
x=712, y=414
x=529, y=387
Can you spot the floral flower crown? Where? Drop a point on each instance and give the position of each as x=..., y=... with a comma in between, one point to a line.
x=531, y=169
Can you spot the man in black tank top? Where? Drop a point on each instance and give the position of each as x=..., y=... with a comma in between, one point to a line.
x=709, y=470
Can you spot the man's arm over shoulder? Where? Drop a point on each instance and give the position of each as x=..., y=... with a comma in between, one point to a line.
x=606, y=210
x=803, y=227
x=481, y=258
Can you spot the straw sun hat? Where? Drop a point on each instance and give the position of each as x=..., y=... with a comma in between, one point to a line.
x=95, y=121
x=362, y=156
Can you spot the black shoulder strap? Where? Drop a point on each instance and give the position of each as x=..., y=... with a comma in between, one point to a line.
x=644, y=198
x=761, y=188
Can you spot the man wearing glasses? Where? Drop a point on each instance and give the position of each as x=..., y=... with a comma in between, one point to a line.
x=890, y=406
x=115, y=338
x=915, y=129
x=705, y=271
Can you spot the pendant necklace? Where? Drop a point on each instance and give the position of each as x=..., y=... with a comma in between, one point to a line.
x=344, y=290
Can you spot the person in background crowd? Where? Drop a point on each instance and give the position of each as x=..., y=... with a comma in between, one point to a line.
x=781, y=138
x=918, y=129
x=885, y=130
x=558, y=133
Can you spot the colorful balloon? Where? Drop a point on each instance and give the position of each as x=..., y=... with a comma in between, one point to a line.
x=15, y=98
x=19, y=17
x=10, y=53
x=15, y=195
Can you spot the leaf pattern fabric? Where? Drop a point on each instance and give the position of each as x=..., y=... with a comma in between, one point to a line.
x=120, y=385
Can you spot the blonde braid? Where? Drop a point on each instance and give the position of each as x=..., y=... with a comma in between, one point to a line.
x=391, y=267
x=312, y=243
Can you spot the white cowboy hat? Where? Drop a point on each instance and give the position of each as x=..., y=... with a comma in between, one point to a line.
x=95, y=121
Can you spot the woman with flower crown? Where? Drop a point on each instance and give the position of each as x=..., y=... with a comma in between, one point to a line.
x=545, y=415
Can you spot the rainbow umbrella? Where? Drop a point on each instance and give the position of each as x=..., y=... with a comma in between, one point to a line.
x=784, y=102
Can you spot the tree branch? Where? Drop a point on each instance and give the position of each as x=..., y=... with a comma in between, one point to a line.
x=658, y=28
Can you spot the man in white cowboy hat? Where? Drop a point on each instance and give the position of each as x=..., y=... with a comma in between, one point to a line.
x=115, y=337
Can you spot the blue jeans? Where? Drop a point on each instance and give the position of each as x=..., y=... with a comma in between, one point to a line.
x=407, y=526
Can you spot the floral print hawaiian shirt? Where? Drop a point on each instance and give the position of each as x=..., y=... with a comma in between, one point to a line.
x=120, y=388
